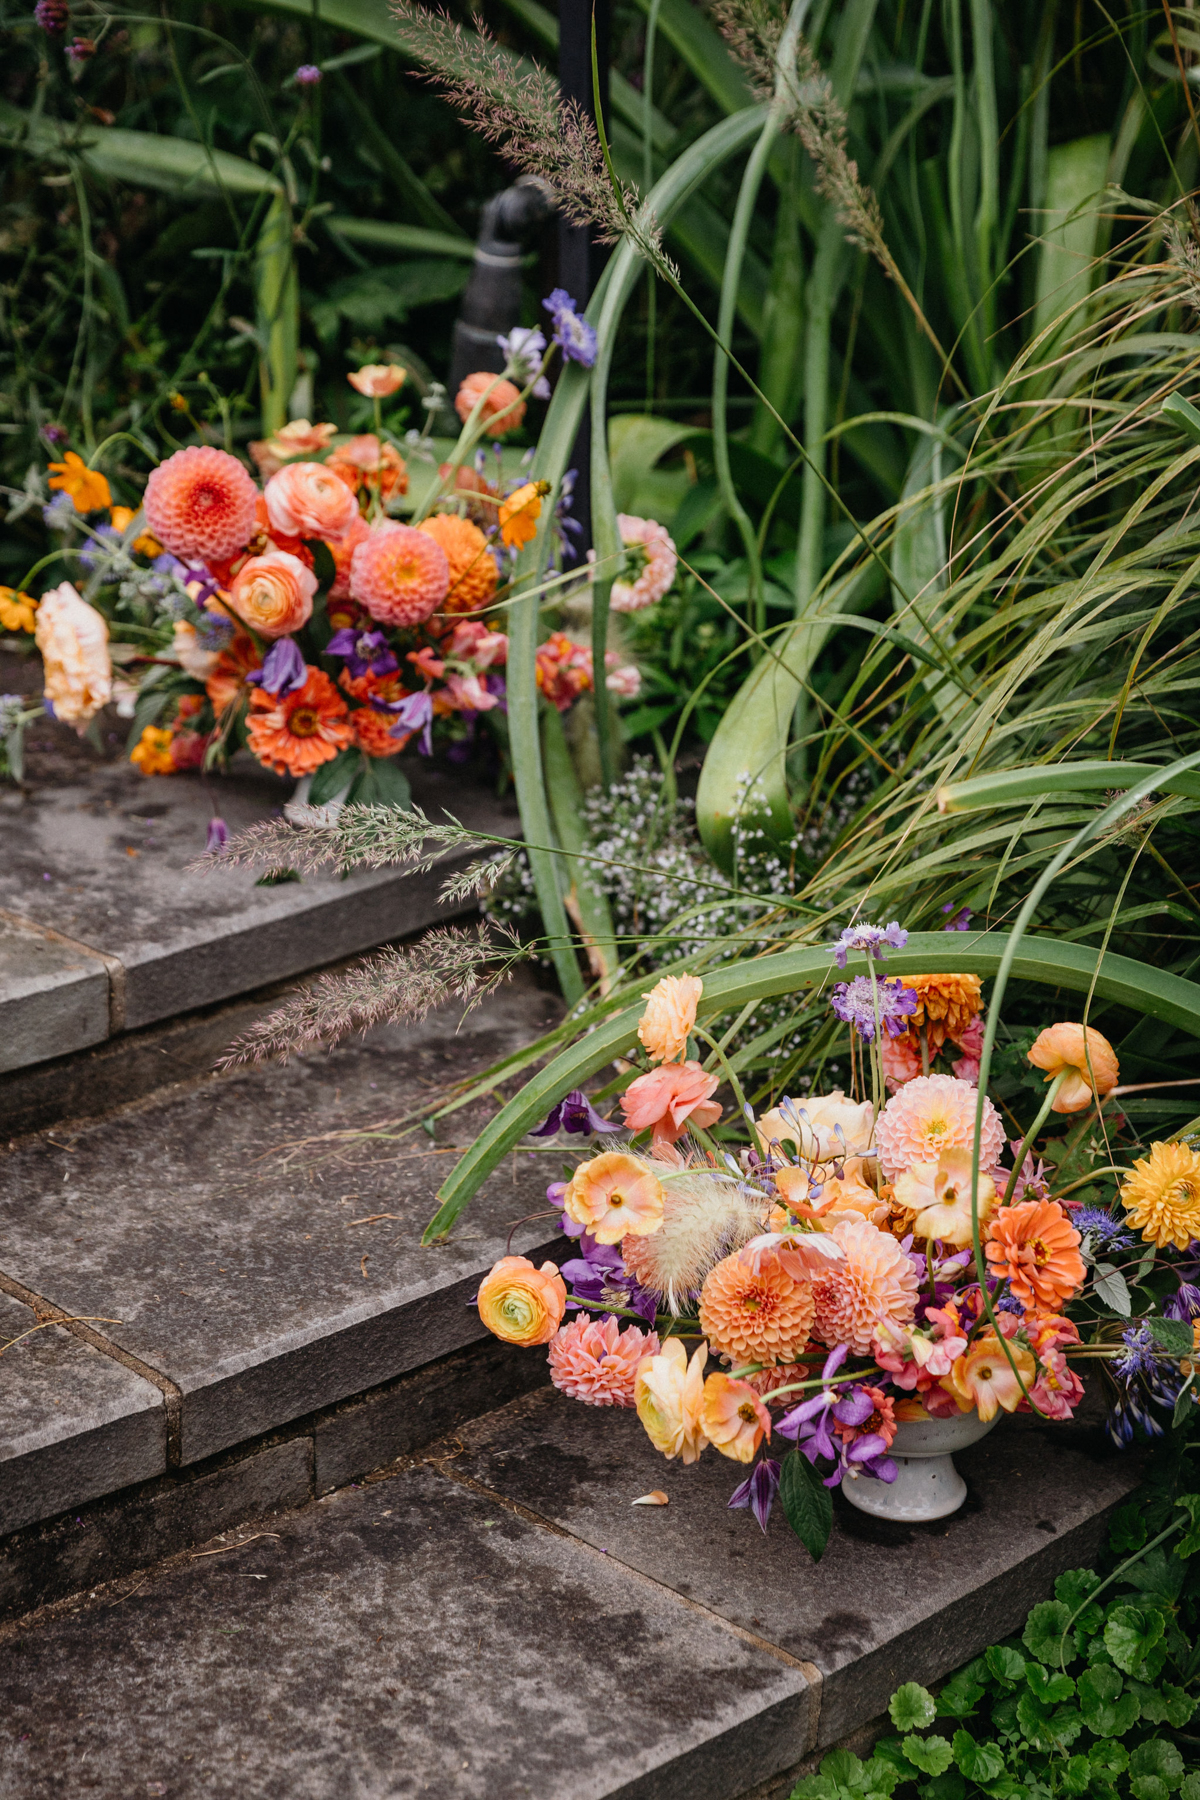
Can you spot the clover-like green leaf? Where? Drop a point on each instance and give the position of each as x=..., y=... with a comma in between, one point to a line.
x=1128, y=1530
x=911, y=1707
x=1047, y=1687
x=978, y=1762
x=1130, y=1635
x=962, y=1693
x=1043, y=1634
x=1005, y=1663
x=1158, y=1759
x=1077, y=1777
x=1189, y=1543
x=932, y=1755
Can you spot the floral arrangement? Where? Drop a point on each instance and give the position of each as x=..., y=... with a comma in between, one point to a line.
x=299, y=615
x=855, y=1262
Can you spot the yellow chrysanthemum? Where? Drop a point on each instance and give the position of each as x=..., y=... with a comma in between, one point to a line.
x=1162, y=1195
x=948, y=1005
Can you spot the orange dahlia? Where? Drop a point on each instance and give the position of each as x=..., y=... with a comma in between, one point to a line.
x=295, y=733
x=874, y=1282
x=1035, y=1246
x=1162, y=1195
x=400, y=575
x=200, y=503
x=373, y=732
x=503, y=407
x=948, y=1004
x=472, y=566
x=755, y=1317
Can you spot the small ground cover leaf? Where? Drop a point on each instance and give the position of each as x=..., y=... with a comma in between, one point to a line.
x=912, y=1707
x=1044, y=1630
x=932, y=1755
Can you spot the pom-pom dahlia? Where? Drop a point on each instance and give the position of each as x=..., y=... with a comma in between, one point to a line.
x=874, y=1282
x=472, y=566
x=200, y=504
x=651, y=558
x=399, y=574
x=756, y=1316
x=934, y=1113
x=593, y=1360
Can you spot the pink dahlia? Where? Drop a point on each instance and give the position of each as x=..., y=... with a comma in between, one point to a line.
x=651, y=560
x=200, y=504
x=594, y=1361
x=930, y=1114
x=399, y=575
x=875, y=1282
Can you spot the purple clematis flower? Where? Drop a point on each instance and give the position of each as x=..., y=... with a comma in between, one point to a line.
x=573, y=335
x=574, y=1114
x=599, y=1278
x=413, y=713
x=283, y=670
x=961, y=920
x=366, y=652
x=758, y=1491
x=870, y=939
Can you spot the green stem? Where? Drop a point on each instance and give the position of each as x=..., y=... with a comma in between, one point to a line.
x=1031, y=1135
x=721, y=1057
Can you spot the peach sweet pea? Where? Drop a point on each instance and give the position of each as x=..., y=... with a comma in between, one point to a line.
x=273, y=593
x=984, y=1380
x=669, y=1396
x=1088, y=1058
x=614, y=1196
x=77, y=670
x=305, y=500
x=734, y=1419
x=939, y=1193
x=378, y=380
x=667, y=1098
x=670, y=1014
x=522, y=1304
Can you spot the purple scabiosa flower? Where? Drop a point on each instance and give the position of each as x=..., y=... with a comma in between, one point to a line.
x=52, y=16
x=574, y=1114
x=283, y=670
x=572, y=333
x=871, y=940
x=854, y=1003
x=365, y=652
x=961, y=920
x=218, y=835
x=758, y=1491
x=307, y=75
x=99, y=543
x=55, y=435
x=60, y=514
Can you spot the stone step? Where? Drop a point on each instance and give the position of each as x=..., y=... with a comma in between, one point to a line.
x=104, y=932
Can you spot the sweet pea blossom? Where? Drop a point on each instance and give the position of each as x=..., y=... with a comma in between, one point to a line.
x=366, y=652
x=283, y=670
x=572, y=333
x=524, y=350
x=574, y=1114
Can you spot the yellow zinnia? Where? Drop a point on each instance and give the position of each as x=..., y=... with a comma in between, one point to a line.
x=1162, y=1195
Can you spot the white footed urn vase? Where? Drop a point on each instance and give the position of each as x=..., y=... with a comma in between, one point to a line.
x=927, y=1485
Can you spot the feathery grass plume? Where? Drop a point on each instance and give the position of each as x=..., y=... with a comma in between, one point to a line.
x=394, y=986
x=706, y=1215
x=1183, y=249
x=517, y=106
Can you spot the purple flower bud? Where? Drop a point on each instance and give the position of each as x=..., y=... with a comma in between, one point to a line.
x=218, y=834
x=52, y=16
x=572, y=333
x=307, y=75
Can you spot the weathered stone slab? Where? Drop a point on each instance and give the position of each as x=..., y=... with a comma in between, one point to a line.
x=103, y=860
x=265, y=1267
x=887, y=1603
x=407, y=1638
x=73, y=1423
x=53, y=998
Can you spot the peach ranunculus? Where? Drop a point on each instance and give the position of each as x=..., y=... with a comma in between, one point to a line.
x=273, y=593
x=668, y=1098
x=77, y=670
x=733, y=1418
x=1036, y=1248
x=983, y=1380
x=614, y=1195
x=1087, y=1057
x=503, y=408
x=669, y=1396
x=940, y=1195
x=520, y=1303
x=378, y=380
x=813, y=1124
x=669, y=1016
x=305, y=500
x=298, y=438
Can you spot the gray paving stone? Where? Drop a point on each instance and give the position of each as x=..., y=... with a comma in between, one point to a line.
x=73, y=1423
x=887, y=1603
x=409, y=1638
x=53, y=999
x=103, y=860
x=233, y=1251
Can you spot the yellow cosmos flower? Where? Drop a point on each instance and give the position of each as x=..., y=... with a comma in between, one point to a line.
x=1162, y=1195
x=16, y=610
x=88, y=488
x=520, y=513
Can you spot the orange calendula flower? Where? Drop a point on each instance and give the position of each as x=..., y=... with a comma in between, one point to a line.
x=614, y=1195
x=472, y=565
x=1036, y=1248
x=520, y=512
x=1162, y=1195
x=88, y=488
x=520, y=1303
x=983, y=1380
x=670, y=1014
x=152, y=752
x=1087, y=1058
x=733, y=1418
x=295, y=733
x=669, y=1396
x=16, y=610
x=756, y=1314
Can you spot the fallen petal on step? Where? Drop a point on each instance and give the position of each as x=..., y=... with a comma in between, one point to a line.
x=655, y=1497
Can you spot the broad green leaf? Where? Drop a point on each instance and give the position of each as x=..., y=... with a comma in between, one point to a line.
x=911, y=1707
x=324, y=567
x=1173, y=1335
x=1191, y=1786
x=1047, y=1687
x=961, y=1694
x=808, y=1506
x=1165, y=1705
x=1106, y=1709
x=1149, y=1787
x=1130, y=1635
x=1005, y=1663
x=1044, y=1630
x=334, y=775
x=1014, y=787
x=842, y=1766
x=1158, y=1758
x=932, y=1755
x=382, y=782
x=1047, y=1730
x=1128, y=1531
x=1111, y=1289
x=978, y=1762
x=1077, y=1776
x=1189, y=1543
x=1109, y=1757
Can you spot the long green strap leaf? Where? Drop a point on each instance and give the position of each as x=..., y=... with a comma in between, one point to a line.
x=1048, y=961
x=1011, y=787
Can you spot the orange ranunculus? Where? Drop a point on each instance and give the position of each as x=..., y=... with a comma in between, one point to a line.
x=520, y=1303
x=365, y=462
x=1035, y=1246
x=227, y=681
x=378, y=380
x=666, y=1098
x=88, y=488
x=669, y=1396
x=983, y=1379
x=1088, y=1058
x=733, y=1418
x=669, y=1016
x=295, y=733
x=614, y=1196
x=520, y=512
x=273, y=593
x=503, y=407
x=298, y=438
x=305, y=500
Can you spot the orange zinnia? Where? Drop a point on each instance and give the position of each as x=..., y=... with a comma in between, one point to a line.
x=1036, y=1247
x=295, y=733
